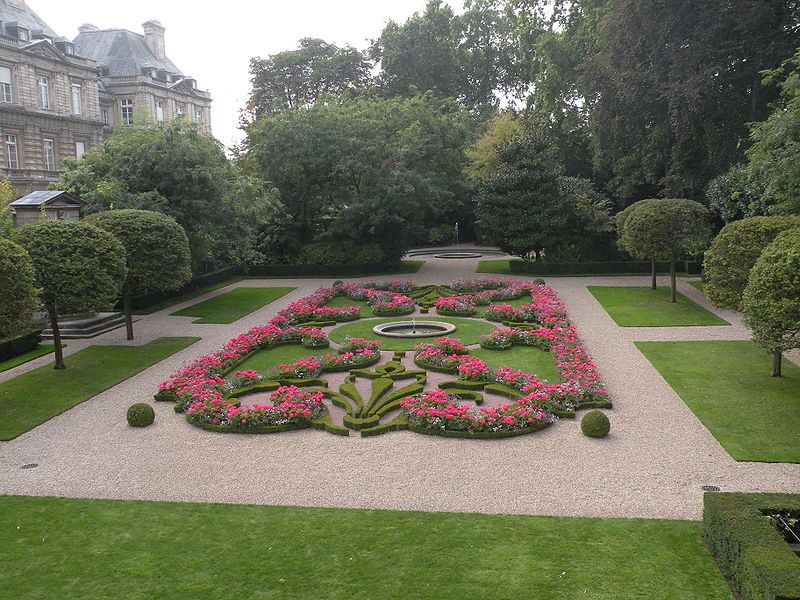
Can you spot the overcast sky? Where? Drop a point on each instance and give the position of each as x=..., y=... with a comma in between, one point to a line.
x=214, y=41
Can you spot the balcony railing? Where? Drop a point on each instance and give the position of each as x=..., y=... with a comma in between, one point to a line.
x=31, y=174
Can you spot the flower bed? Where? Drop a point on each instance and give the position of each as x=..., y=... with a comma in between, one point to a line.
x=455, y=306
x=504, y=339
x=390, y=304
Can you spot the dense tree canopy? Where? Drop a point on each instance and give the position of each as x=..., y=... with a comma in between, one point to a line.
x=18, y=293
x=771, y=302
x=79, y=268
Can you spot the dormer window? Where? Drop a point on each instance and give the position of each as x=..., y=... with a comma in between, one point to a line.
x=23, y=34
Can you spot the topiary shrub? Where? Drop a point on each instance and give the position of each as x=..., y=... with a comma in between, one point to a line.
x=140, y=415
x=18, y=293
x=595, y=424
x=734, y=252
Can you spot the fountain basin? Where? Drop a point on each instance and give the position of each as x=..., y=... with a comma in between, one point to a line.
x=414, y=329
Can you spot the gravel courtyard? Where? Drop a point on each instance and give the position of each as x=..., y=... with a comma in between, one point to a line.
x=653, y=464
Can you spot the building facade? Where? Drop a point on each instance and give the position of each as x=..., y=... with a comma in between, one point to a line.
x=59, y=97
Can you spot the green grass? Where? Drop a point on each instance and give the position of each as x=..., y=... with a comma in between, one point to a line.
x=468, y=331
x=524, y=358
x=34, y=397
x=343, y=301
x=233, y=305
x=91, y=549
x=727, y=385
x=266, y=359
x=645, y=307
x=495, y=267
x=149, y=310
x=698, y=284
x=40, y=350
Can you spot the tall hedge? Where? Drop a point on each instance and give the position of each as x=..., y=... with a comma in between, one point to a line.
x=771, y=301
x=156, y=250
x=18, y=293
x=734, y=252
x=79, y=268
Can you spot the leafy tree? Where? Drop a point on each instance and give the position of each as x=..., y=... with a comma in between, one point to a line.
x=483, y=154
x=296, y=79
x=79, y=268
x=18, y=293
x=733, y=253
x=156, y=250
x=6, y=215
x=664, y=229
x=674, y=85
x=771, y=302
x=591, y=230
x=519, y=207
x=736, y=194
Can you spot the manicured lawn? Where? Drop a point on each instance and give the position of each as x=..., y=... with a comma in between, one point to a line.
x=92, y=549
x=697, y=284
x=524, y=358
x=233, y=305
x=40, y=350
x=34, y=397
x=496, y=267
x=342, y=301
x=468, y=331
x=149, y=310
x=266, y=359
x=645, y=307
x=727, y=385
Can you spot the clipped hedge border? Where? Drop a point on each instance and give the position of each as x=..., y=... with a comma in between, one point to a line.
x=480, y=435
x=325, y=270
x=758, y=563
x=20, y=344
x=620, y=267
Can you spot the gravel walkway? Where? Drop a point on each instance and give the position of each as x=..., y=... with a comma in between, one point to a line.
x=653, y=465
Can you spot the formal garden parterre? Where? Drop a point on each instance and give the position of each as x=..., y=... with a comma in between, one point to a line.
x=215, y=394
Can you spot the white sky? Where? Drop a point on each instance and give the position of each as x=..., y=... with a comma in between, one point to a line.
x=214, y=41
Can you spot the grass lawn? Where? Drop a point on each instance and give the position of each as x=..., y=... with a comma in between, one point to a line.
x=727, y=385
x=34, y=397
x=468, y=331
x=149, y=310
x=272, y=357
x=496, y=267
x=40, y=350
x=697, y=284
x=233, y=305
x=344, y=301
x=644, y=307
x=92, y=549
x=524, y=358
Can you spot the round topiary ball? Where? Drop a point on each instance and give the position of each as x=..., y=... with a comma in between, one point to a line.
x=141, y=415
x=595, y=424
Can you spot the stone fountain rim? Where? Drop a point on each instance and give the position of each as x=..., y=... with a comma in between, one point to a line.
x=381, y=329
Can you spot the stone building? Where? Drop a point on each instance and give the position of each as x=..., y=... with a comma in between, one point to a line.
x=46, y=204
x=58, y=98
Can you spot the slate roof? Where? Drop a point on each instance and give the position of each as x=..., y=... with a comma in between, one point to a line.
x=26, y=18
x=46, y=197
x=123, y=52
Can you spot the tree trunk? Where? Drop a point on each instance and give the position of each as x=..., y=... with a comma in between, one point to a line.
x=59, y=353
x=653, y=272
x=777, y=359
x=126, y=307
x=673, y=294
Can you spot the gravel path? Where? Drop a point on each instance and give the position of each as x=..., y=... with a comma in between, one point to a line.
x=652, y=465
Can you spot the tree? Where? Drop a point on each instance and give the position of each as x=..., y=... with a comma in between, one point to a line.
x=79, y=268
x=156, y=252
x=664, y=229
x=296, y=79
x=771, y=302
x=519, y=207
x=18, y=293
x=6, y=212
x=483, y=155
x=674, y=85
x=736, y=194
x=733, y=253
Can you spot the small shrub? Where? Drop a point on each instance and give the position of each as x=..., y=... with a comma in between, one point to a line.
x=595, y=424
x=141, y=415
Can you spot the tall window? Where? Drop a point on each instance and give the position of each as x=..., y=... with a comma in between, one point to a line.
x=80, y=149
x=159, y=110
x=198, y=115
x=126, y=108
x=104, y=115
x=178, y=108
x=12, y=156
x=5, y=85
x=77, y=101
x=49, y=155
x=44, y=91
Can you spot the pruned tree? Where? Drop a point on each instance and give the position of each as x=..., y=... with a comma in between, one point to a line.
x=664, y=229
x=18, y=293
x=79, y=268
x=156, y=250
x=771, y=302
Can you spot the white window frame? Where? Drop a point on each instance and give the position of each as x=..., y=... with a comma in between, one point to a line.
x=80, y=149
x=126, y=111
x=77, y=98
x=159, y=111
x=104, y=116
x=43, y=85
x=6, y=89
x=199, y=114
x=11, y=144
x=178, y=108
x=49, y=154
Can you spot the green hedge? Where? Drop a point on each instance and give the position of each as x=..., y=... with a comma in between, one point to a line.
x=13, y=347
x=748, y=549
x=620, y=267
x=480, y=435
x=323, y=270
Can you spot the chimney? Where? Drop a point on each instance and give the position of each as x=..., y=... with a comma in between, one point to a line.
x=86, y=27
x=154, y=36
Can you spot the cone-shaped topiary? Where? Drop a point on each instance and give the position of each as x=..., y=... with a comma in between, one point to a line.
x=595, y=424
x=141, y=415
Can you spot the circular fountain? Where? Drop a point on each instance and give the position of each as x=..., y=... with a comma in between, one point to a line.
x=414, y=329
